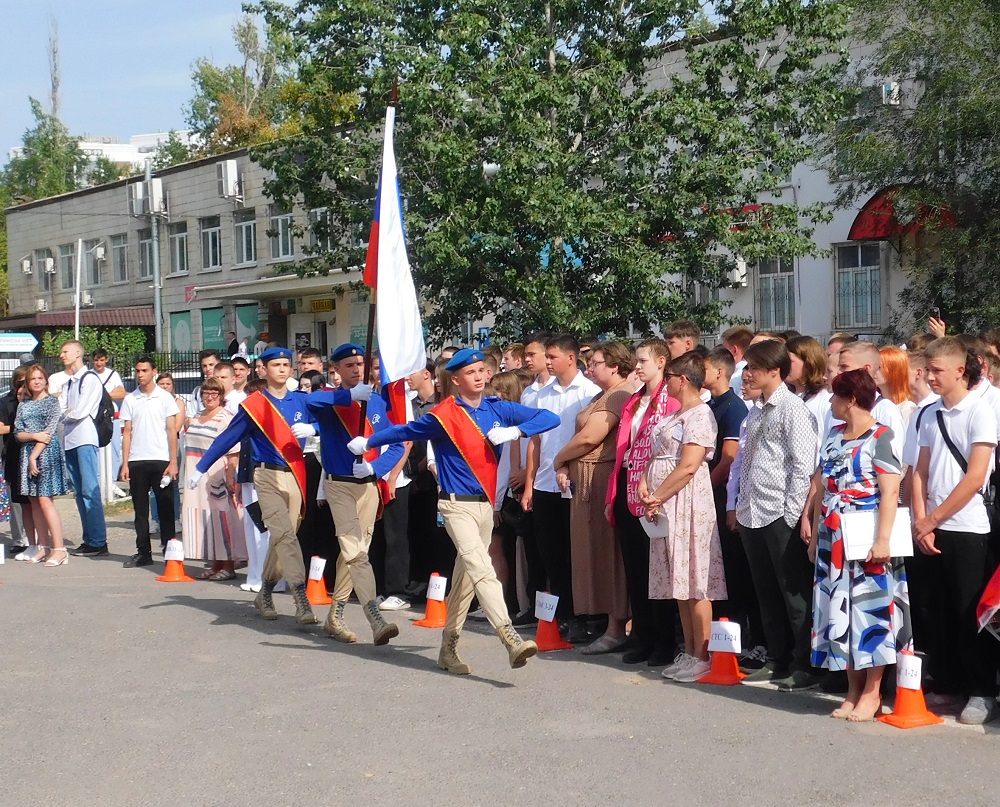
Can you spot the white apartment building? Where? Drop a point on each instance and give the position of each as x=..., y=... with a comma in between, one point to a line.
x=219, y=269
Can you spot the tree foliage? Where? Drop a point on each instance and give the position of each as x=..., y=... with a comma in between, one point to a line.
x=938, y=150
x=630, y=139
x=119, y=342
x=170, y=152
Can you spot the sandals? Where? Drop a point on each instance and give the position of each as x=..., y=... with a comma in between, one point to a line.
x=52, y=560
x=221, y=576
x=604, y=644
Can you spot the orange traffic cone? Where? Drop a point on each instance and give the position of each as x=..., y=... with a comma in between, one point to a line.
x=547, y=636
x=725, y=668
x=437, y=609
x=174, y=556
x=910, y=709
x=315, y=586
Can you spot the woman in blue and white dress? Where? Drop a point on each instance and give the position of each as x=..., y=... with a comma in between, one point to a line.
x=861, y=613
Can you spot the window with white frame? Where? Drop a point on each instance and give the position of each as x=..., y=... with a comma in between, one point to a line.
x=92, y=263
x=146, y=253
x=245, y=236
x=282, y=242
x=859, y=285
x=67, y=265
x=178, y=237
x=43, y=257
x=119, y=258
x=776, y=294
x=211, y=242
x=320, y=230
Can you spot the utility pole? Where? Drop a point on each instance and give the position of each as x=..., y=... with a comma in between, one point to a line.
x=154, y=224
x=54, y=66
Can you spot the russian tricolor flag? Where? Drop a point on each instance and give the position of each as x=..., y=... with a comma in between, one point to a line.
x=387, y=273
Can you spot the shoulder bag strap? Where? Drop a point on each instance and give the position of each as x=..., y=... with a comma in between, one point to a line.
x=962, y=463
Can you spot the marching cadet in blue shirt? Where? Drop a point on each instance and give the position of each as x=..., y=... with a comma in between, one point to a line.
x=465, y=430
x=277, y=422
x=351, y=487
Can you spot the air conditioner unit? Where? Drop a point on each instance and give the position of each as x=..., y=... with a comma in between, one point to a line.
x=890, y=93
x=26, y=266
x=86, y=298
x=156, y=200
x=738, y=275
x=99, y=252
x=41, y=305
x=50, y=266
x=227, y=174
x=137, y=199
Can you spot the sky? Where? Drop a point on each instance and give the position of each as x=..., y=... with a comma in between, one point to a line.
x=125, y=66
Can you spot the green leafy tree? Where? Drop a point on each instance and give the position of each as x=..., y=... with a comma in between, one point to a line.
x=937, y=151
x=105, y=170
x=121, y=343
x=172, y=151
x=579, y=165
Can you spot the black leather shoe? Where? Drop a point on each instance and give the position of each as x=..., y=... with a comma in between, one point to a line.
x=525, y=618
x=661, y=658
x=636, y=655
x=15, y=550
x=138, y=560
x=576, y=633
x=89, y=549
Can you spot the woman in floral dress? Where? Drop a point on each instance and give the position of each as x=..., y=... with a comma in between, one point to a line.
x=861, y=613
x=686, y=565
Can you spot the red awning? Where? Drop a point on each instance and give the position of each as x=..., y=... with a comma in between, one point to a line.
x=877, y=220
x=136, y=315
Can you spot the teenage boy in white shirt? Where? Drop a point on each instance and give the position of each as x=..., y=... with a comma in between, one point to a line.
x=149, y=453
x=951, y=524
x=569, y=392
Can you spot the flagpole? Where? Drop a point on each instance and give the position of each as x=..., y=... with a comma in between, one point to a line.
x=372, y=308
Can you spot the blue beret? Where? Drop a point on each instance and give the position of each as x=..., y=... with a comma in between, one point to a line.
x=273, y=353
x=463, y=358
x=346, y=350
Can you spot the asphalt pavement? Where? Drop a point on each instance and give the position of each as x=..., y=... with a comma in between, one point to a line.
x=116, y=689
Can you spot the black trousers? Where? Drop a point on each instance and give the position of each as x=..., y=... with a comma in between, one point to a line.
x=654, y=622
x=741, y=605
x=389, y=553
x=783, y=579
x=431, y=550
x=144, y=477
x=550, y=514
x=316, y=533
x=537, y=581
x=963, y=660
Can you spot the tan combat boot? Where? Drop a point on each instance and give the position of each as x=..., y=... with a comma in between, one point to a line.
x=382, y=631
x=448, y=657
x=303, y=611
x=518, y=649
x=335, y=626
x=264, y=603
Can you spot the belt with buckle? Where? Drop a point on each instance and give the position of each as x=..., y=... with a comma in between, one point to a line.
x=353, y=480
x=463, y=497
x=270, y=466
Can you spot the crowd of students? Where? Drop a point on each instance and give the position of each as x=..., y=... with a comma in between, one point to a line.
x=662, y=485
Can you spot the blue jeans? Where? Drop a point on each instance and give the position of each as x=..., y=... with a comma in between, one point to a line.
x=81, y=462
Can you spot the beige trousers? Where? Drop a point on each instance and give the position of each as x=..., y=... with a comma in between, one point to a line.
x=470, y=525
x=281, y=509
x=353, y=507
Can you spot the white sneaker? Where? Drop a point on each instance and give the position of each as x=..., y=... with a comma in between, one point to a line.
x=393, y=603
x=681, y=660
x=693, y=672
x=479, y=615
x=248, y=587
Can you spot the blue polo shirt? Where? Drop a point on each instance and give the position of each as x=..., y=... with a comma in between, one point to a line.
x=454, y=474
x=333, y=437
x=293, y=409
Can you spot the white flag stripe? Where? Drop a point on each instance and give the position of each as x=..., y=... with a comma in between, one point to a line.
x=400, y=332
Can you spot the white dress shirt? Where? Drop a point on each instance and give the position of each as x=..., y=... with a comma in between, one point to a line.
x=80, y=402
x=567, y=402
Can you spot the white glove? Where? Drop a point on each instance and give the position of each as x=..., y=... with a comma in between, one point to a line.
x=193, y=478
x=499, y=435
x=359, y=445
x=363, y=469
x=303, y=430
x=361, y=392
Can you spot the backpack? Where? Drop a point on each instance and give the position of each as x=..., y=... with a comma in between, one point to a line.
x=104, y=421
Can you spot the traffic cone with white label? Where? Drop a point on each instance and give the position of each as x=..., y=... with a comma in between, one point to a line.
x=437, y=609
x=910, y=709
x=174, y=556
x=547, y=636
x=315, y=585
x=725, y=638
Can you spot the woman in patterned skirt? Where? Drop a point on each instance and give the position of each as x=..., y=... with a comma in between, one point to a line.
x=211, y=527
x=861, y=613
x=35, y=427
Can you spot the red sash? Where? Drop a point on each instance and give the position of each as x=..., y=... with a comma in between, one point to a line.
x=276, y=429
x=471, y=443
x=350, y=417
